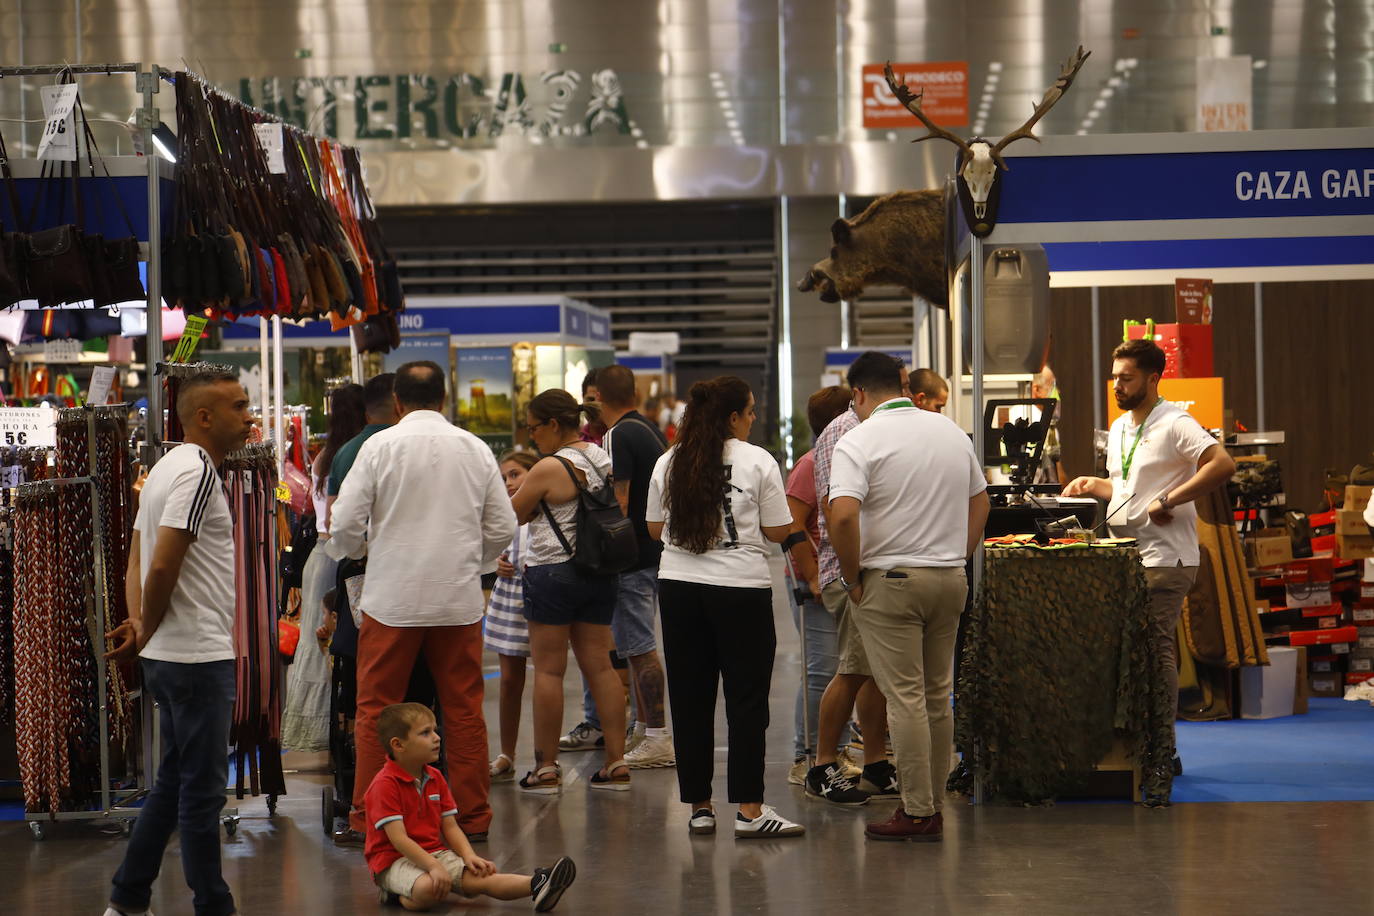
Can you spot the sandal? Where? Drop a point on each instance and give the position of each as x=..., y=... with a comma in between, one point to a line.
x=544, y=781
x=614, y=777
x=500, y=772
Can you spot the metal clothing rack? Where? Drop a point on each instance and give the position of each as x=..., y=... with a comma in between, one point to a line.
x=113, y=802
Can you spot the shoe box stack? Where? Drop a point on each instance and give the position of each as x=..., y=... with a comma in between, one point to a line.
x=1319, y=603
x=1354, y=540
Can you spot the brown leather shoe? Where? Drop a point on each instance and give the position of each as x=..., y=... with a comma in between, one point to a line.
x=902, y=826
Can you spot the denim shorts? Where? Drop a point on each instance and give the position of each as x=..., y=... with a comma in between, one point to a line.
x=560, y=594
x=636, y=609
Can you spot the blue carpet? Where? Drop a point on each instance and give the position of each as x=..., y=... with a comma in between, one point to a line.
x=1326, y=755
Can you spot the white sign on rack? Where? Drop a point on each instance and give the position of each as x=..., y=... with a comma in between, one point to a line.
x=28, y=426
x=102, y=380
x=654, y=343
x=270, y=139
x=59, y=135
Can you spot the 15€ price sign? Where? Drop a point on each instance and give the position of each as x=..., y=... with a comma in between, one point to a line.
x=58, y=140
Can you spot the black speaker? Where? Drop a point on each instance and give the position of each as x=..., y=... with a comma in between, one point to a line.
x=1016, y=310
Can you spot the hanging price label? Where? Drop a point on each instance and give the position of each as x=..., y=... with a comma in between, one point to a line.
x=28, y=426
x=270, y=139
x=102, y=379
x=59, y=134
x=190, y=339
x=283, y=493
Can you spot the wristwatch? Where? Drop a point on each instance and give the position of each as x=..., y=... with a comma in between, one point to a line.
x=1164, y=502
x=846, y=584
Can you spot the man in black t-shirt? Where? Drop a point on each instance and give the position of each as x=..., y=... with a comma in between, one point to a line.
x=635, y=444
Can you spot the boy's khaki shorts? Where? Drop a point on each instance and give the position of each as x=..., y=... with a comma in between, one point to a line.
x=400, y=876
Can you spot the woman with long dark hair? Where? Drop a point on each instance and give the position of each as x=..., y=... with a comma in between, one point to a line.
x=716, y=502
x=305, y=718
x=563, y=603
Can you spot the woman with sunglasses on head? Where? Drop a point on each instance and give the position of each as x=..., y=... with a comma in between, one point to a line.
x=717, y=502
x=563, y=603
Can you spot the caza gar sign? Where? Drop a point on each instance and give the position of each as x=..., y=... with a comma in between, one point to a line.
x=1332, y=184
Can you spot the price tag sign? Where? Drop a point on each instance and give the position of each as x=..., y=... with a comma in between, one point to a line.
x=28, y=426
x=190, y=339
x=59, y=134
x=102, y=379
x=283, y=493
x=270, y=139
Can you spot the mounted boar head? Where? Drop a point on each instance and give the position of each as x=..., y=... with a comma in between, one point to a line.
x=899, y=240
x=980, y=160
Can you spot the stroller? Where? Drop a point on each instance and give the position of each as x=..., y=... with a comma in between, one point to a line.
x=337, y=799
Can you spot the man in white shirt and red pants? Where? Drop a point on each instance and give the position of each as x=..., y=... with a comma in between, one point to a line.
x=425, y=502
x=1159, y=459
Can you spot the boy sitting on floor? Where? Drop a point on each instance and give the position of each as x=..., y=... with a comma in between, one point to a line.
x=415, y=849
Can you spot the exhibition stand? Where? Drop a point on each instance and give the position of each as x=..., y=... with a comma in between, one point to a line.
x=1117, y=209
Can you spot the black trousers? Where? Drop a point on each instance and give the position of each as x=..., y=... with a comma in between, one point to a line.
x=715, y=633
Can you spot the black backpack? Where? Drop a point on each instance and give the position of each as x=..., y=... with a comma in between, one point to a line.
x=606, y=542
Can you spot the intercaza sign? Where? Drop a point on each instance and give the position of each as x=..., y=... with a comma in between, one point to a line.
x=385, y=106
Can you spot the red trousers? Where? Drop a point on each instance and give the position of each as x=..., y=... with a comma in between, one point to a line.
x=386, y=656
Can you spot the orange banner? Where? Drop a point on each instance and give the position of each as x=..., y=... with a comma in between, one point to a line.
x=1202, y=397
x=945, y=100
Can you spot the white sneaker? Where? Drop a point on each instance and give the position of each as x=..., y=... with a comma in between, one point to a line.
x=797, y=775
x=651, y=752
x=583, y=737
x=767, y=825
x=702, y=822
x=633, y=736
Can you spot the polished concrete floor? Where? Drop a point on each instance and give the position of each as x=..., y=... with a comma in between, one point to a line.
x=634, y=854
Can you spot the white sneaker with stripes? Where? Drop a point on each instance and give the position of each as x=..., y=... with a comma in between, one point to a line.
x=767, y=825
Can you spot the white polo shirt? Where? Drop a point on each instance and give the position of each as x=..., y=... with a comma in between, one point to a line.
x=914, y=471
x=184, y=491
x=1171, y=444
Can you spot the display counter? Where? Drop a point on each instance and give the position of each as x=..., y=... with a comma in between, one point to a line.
x=1056, y=670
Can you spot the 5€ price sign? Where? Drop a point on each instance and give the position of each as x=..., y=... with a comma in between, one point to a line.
x=28, y=426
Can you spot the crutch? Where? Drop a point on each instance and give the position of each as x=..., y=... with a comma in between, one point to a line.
x=801, y=592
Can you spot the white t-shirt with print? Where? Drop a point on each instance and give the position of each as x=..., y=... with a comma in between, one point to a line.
x=1171, y=443
x=755, y=499
x=185, y=491
x=914, y=471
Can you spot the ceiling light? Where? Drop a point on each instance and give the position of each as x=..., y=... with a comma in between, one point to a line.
x=1108, y=92
x=994, y=66
x=1099, y=104
x=1260, y=64
x=1081, y=132
x=993, y=78
x=642, y=144
x=1114, y=82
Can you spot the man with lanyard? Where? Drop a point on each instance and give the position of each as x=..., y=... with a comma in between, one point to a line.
x=1159, y=460
x=903, y=522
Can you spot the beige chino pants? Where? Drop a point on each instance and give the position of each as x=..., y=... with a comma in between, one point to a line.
x=908, y=619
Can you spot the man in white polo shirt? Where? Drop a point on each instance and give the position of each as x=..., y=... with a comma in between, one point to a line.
x=908, y=503
x=181, y=595
x=1159, y=459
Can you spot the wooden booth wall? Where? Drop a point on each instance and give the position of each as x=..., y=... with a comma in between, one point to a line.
x=1318, y=358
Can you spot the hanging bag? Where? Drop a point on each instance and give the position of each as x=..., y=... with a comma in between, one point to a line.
x=12, y=287
x=606, y=542
x=114, y=267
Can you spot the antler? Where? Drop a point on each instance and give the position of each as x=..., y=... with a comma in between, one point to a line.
x=913, y=105
x=1052, y=95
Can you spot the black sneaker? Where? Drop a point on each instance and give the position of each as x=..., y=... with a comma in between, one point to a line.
x=548, y=884
x=829, y=784
x=880, y=780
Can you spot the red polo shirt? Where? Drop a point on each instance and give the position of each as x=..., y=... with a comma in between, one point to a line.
x=419, y=804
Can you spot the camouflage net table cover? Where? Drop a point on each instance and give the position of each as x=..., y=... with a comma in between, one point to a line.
x=1055, y=666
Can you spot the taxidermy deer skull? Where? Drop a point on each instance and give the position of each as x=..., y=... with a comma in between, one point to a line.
x=980, y=160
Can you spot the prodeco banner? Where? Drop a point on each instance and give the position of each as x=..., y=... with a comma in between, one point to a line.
x=944, y=99
x=386, y=106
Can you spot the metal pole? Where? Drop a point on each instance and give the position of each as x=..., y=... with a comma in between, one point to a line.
x=1099, y=419
x=1259, y=357
x=148, y=121
x=99, y=582
x=979, y=346
x=279, y=400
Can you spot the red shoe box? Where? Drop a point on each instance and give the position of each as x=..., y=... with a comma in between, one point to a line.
x=1324, y=637
x=1358, y=677
x=1315, y=569
x=1325, y=544
x=1187, y=348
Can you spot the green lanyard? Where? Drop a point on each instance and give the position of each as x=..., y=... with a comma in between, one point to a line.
x=894, y=404
x=1128, y=458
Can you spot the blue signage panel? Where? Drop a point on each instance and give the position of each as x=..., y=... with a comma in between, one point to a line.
x=1205, y=253
x=599, y=328
x=577, y=323
x=507, y=321
x=416, y=349
x=1261, y=184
